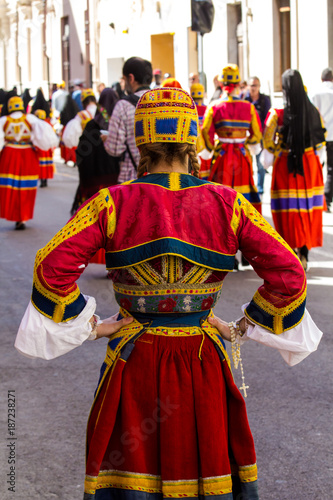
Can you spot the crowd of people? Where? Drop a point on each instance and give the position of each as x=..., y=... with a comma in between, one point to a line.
x=153, y=162
x=238, y=128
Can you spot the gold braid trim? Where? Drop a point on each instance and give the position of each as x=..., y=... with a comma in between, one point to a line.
x=278, y=313
x=257, y=220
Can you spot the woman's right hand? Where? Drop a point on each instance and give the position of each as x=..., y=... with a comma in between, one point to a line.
x=109, y=326
x=222, y=327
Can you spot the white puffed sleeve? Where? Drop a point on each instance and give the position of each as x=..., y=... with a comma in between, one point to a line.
x=254, y=148
x=72, y=133
x=3, y=120
x=42, y=134
x=266, y=158
x=294, y=345
x=40, y=337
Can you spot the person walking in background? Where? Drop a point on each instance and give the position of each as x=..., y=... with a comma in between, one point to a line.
x=69, y=112
x=58, y=99
x=204, y=156
x=293, y=138
x=120, y=141
x=168, y=420
x=26, y=98
x=39, y=102
x=237, y=125
x=97, y=169
x=218, y=91
x=119, y=87
x=262, y=103
x=45, y=158
x=323, y=100
x=157, y=74
x=19, y=166
x=243, y=88
x=76, y=94
x=76, y=126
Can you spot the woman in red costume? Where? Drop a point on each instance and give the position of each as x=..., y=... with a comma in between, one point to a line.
x=293, y=139
x=204, y=156
x=19, y=166
x=45, y=158
x=168, y=420
x=238, y=128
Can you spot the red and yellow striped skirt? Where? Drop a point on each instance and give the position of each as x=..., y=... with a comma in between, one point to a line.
x=19, y=171
x=297, y=202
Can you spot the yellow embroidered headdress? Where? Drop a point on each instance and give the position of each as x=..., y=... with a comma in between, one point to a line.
x=87, y=93
x=197, y=91
x=166, y=115
x=15, y=104
x=61, y=85
x=230, y=74
x=41, y=114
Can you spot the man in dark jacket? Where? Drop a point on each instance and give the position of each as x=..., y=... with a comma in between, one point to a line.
x=262, y=103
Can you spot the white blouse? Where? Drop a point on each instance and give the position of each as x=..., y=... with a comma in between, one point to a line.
x=41, y=337
x=42, y=134
x=73, y=130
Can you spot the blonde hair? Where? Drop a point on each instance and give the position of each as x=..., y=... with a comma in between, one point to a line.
x=152, y=153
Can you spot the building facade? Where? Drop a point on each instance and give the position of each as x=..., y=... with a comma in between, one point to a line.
x=44, y=42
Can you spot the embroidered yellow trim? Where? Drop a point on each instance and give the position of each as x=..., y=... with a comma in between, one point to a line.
x=174, y=181
x=297, y=193
x=248, y=473
x=236, y=215
x=165, y=289
x=153, y=484
x=278, y=313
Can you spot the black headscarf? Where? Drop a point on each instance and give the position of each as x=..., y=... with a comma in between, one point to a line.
x=41, y=103
x=2, y=96
x=69, y=111
x=9, y=94
x=301, y=121
x=106, y=103
x=26, y=98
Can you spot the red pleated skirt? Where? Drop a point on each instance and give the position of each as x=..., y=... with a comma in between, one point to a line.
x=166, y=421
x=297, y=202
x=232, y=167
x=19, y=172
x=67, y=154
x=46, y=164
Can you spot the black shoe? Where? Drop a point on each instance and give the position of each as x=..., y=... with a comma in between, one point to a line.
x=19, y=226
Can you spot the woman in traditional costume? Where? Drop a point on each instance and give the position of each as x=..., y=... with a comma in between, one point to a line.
x=293, y=139
x=238, y=128
x=26, y=98
x=19, y=166
x=204, y=156
x=76, y=126
x=167, y=419
x=39, y=102
x=67, y=114
x=45, y=158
